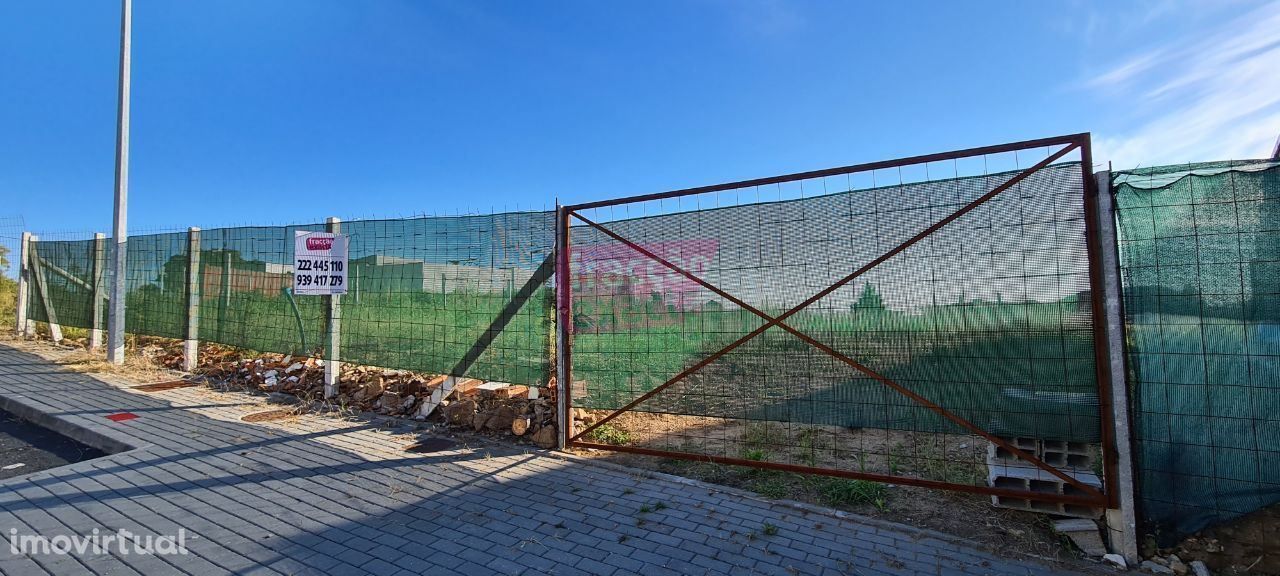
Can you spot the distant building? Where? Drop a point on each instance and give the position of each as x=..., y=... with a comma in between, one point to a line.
x=394, y=275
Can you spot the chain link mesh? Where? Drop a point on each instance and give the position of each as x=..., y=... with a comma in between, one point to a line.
x=465, y=295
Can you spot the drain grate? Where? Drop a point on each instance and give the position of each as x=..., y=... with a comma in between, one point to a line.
x=429, y=445
x=268, y=416
x=162, y=386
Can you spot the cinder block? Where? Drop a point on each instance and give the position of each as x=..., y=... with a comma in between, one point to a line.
x=1035, y=480
x=1057, y=453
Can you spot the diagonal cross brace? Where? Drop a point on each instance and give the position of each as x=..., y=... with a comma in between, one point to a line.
x=778, y=321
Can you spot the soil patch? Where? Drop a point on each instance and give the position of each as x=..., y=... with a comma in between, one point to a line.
x=162, y=386
x=1247, y=545
x=953, y=458
x=268, y=416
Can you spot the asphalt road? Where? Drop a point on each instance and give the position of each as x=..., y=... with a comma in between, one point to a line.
x=27, y=448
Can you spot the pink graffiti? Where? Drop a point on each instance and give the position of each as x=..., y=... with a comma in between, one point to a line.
x=615, y=269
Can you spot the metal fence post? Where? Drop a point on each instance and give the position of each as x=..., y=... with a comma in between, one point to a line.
x=1122, y=523
x=99, y=262
x=191, y=346
x=333, y=336
x=24, y=327
x=564, y=407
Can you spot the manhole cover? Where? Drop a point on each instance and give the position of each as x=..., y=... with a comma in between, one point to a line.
x=428, y=445
x=268, y=416
x=161, y=386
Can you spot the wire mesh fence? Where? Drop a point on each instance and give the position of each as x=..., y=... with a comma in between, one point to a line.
x=65, y=278
x=727, y=325
x=1200, y=257
x=11, y=228
x=988, y=317
x=465, y=295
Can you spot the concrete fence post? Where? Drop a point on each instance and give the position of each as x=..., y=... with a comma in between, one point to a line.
x=99, y=264
x=333, y=332
x=1122, y=523
x=191, y=346
x=24, y=327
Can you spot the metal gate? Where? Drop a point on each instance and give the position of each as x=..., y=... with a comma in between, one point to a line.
x=931, y=321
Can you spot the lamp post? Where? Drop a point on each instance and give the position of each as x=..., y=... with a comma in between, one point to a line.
x=115, y=315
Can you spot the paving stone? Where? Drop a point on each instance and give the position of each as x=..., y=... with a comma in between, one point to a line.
x=327, y=496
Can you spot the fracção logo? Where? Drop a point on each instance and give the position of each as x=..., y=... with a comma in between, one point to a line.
x=319, y=243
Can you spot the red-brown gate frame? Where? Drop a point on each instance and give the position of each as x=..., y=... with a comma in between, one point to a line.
x=1088, y=496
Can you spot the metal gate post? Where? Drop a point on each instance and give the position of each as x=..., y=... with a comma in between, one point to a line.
x=564, y=323
x=1122, y=524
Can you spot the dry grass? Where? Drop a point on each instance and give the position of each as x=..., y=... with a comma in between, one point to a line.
x=138, y=365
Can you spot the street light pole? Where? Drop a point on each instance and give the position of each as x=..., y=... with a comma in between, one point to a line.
x=115, y=316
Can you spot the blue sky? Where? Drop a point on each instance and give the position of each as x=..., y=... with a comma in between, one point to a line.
x=275, y=111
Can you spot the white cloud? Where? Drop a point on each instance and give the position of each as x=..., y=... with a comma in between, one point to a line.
x=1217, y=98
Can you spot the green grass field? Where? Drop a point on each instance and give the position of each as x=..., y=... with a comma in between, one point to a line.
x=1024, y=369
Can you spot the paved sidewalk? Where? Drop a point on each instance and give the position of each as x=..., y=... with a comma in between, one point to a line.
x=317, y=495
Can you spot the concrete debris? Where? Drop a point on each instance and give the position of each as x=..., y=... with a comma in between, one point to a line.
x=1115, y=560
x=389, y=403
x=1084, y=534
x=545, y=437
x=460, y=413
x=501, y=419
x=1199, y=568
x=526, y=410
x=1155, y=568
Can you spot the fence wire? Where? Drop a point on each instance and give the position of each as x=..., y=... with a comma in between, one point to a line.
x=465, y=295
x=11, y=229
x=989, y=317
x=1200, y=258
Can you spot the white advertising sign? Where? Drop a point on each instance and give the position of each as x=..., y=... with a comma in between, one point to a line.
x=319, y=263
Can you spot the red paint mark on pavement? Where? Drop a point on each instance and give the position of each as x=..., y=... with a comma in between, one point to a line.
x=121, y=417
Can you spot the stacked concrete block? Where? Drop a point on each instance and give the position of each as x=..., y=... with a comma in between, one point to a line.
x=1057, y=453
x=1075, y=459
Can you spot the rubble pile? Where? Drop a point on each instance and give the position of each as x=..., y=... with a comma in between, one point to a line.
x=489, y=407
